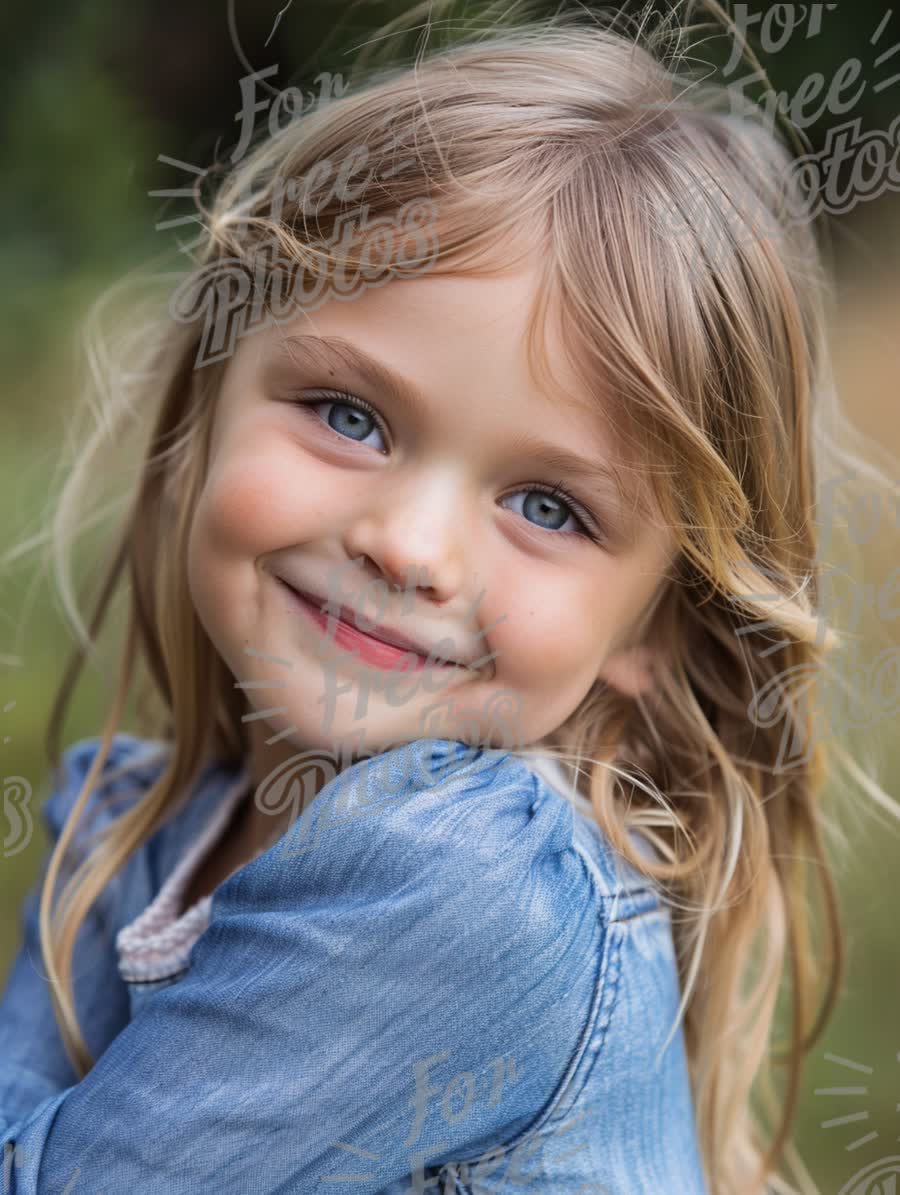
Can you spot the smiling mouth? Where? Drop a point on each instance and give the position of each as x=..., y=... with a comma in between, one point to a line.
x=368, y=647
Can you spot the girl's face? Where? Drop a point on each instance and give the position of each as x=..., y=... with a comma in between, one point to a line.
x=383, y=453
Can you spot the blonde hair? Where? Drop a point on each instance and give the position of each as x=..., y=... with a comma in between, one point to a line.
x=667, y=226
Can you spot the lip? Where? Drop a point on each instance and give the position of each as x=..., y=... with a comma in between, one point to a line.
x=384, y=649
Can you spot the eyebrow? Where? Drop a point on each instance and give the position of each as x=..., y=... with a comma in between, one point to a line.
x=324, y=351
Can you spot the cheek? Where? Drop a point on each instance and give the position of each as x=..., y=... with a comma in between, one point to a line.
x=257, y=504
x=237, y=520
x=550, y=636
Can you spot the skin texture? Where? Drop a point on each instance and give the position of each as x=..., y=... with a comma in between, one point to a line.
x=441, y=488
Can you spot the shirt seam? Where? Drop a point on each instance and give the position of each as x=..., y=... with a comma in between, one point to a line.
x=603, y=1000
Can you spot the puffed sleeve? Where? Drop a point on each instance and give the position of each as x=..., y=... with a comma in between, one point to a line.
x=400, y=982
x=33, y=1061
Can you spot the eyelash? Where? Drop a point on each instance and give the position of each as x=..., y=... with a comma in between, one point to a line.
x=592, y=527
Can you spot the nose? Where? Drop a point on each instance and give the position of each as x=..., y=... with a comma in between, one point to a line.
x=414, y=537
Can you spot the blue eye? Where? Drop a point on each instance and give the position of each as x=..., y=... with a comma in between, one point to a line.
x=350, y=417
x=550, y=513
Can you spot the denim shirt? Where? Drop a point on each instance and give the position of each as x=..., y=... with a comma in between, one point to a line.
x=441, y=979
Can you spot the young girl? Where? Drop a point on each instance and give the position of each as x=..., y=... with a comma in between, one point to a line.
x=479, y=473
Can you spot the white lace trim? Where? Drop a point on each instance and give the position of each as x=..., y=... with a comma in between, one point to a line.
x=156, y=943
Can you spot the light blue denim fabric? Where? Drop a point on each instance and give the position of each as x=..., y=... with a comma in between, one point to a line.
x=441, y=979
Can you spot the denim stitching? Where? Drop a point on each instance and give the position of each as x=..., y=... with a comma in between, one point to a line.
x=603, y=998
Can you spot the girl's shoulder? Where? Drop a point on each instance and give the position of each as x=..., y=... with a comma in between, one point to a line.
x=469, y=908
x=431, y=797
x=445, y=822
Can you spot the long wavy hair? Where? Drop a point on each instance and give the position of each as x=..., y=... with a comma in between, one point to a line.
x=676, y=237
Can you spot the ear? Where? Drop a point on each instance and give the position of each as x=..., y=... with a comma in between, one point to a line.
x=630, y=670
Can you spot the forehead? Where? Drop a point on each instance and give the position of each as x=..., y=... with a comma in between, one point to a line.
x=423, y=323
x=443, y=331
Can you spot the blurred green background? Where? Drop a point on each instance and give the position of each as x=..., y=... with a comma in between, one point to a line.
x=101, y=99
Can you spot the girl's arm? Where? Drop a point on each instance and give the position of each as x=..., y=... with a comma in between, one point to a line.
x=402, y=982
x=33, y=1061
